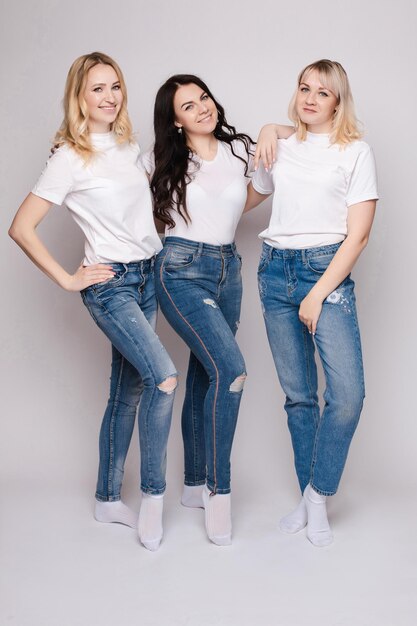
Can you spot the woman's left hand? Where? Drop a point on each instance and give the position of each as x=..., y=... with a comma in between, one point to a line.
x=309, y=312
x=266, y=146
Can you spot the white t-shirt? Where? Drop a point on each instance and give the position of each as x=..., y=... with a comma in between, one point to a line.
x=314, y=183
x=216, y=196
x=109, y=198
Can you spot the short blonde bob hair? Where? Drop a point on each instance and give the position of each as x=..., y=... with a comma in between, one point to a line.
x=345, y=127
x=74, y=128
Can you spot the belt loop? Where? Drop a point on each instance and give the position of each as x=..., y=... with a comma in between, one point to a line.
x=200, y=248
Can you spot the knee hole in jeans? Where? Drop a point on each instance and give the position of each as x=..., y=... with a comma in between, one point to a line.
x=168, y=385
x=238, y=383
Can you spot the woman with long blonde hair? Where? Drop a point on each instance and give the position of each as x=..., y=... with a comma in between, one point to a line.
x=94, y=171
x=325, y=194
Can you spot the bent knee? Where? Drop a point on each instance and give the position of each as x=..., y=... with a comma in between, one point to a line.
x=237, y=385
x=168, y=385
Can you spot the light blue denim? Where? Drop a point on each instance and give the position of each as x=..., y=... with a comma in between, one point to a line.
x=199, y=288
x=125, y=309
x=320, y=440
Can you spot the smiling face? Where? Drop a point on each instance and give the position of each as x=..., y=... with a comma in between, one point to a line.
x=195, y=112
x=103, y=97
x=315, y=104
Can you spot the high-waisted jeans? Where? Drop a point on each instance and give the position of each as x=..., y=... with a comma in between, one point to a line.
x=125, y=309
x=199, y=289
x=320, y=441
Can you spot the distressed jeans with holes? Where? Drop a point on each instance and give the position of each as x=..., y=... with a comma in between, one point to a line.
x=199, y=289
x=320, y=440
x=125, y=309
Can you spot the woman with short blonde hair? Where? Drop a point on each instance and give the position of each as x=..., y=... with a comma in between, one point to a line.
x=323, y=207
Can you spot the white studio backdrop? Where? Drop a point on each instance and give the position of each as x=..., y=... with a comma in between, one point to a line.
x=56, y=363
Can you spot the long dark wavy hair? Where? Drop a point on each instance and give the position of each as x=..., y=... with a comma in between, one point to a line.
x=173, y=156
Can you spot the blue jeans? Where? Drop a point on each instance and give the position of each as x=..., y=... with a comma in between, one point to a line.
x=199, y=289
x=125, y=309
x=320, y=441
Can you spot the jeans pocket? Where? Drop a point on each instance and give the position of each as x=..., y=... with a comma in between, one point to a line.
x=178, y=259
x=319, y=264
x=117, y=280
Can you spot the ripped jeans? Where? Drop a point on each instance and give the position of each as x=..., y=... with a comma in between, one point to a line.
x=320, y=440
x=125, y=309
x=199, y=289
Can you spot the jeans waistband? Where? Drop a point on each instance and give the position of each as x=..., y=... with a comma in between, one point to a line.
x=202, y=248
x=300, y=253
x=134, y=266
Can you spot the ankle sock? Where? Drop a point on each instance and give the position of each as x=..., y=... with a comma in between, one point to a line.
x=150, y=521
x=193, y=496
x=296, y=520
x=115, y=512
x=318, y=528
x=218, y=517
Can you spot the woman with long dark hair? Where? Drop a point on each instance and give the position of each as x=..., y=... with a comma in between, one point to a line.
x=325, y=194
x=199, y=174
x=94, y=172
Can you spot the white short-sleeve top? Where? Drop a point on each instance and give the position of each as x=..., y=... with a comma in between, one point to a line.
x=108, y=197
x=216, y=196
x=314, y=182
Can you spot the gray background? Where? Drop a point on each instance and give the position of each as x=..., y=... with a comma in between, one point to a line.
x=59, y=567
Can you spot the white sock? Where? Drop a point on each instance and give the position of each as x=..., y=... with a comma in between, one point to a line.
x=318, y=529
x=296, y=520
x=193, y=496
x=115, y=512
x=150, y=521
x=218, y=517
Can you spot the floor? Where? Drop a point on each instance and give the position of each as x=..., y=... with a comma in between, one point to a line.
x=61, y=568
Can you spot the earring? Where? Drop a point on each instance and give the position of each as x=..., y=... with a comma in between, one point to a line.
x=179, y=131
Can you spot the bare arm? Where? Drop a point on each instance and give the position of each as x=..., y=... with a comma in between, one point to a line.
x=266, y=147
x=23, y=231
x=253, y=198
x=360, y=218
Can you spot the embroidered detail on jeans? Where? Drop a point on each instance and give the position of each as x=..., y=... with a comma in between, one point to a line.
x=334, y=297
x=337, y=297
x=210, y=302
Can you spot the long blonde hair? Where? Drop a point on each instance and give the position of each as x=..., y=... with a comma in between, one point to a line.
x=74, y=128
x=345, y=126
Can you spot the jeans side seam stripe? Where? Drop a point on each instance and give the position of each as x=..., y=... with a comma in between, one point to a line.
x=214, y=365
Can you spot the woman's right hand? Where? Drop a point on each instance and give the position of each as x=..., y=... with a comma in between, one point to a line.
x=88, y=275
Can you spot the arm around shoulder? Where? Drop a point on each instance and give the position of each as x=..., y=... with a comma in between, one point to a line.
x=266, y=146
